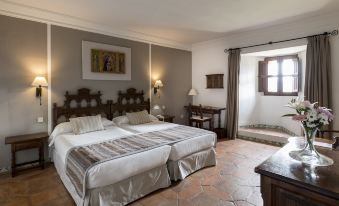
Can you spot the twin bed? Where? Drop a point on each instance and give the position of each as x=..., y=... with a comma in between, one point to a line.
x=123, y=162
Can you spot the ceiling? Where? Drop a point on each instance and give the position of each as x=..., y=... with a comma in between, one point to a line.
x=278, y=52
x=182, y=21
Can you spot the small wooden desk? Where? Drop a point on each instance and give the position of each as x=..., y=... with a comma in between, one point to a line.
x=24, y=142
x=210, y=110
x=287, y=182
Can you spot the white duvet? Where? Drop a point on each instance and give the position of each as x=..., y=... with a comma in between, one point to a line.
x=113, y=171
x=179, y=149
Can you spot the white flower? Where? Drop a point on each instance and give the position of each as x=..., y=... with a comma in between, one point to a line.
x=323, y=118
x=311, y=124
x=297, y=104
x=312, y=115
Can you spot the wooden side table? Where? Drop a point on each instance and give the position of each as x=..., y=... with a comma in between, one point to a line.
x=25, y=142
x=221, y=132
x=166, y=118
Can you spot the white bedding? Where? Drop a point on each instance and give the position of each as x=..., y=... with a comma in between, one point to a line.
x=115, y=170
x=180, y=149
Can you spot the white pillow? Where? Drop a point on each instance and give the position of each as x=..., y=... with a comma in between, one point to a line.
x=106, y=122
x=153, y=118
x=82, y=125
x=62, y=128
x=121, y=120
x=124, y=120
x=141, y=117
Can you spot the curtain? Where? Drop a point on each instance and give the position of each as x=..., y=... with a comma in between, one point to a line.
x=318, y=81
x=232, y=105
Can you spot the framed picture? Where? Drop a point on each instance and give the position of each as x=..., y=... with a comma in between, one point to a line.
x=105, y=62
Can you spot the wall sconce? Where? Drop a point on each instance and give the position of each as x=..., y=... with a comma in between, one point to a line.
x=157, y=86
x=39, y=82
x=193, y=92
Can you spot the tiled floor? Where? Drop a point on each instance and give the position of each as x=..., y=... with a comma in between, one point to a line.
x=267, y=131
x=232, y=182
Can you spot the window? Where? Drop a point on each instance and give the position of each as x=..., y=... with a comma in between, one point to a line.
x=279, y=76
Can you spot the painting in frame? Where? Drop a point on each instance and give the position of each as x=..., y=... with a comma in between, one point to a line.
x=105, y=62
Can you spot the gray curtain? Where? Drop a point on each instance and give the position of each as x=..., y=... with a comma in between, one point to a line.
x=318, y=81
x=232, y=105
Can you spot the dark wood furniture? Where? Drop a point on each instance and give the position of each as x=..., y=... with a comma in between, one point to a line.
x=166, y=118
x=209, y=110
x=221, y=132
x=24, y=142
x=286, y=182
x=215, y=81
x=195, y=115
x=85, y=103
x=330, y=135
x=130, y=101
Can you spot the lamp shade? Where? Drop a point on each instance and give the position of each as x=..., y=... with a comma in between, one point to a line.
x=158, y=83
x=40, y=81
x=192, y=92
x=156, y=107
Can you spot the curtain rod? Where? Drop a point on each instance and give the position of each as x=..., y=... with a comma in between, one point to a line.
x=332, y=33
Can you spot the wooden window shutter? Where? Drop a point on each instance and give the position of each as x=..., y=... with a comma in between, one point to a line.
x=262, y=76
x=299, y=75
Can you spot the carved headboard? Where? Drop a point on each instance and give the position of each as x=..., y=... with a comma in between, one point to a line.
x=130, y=101
x=86, y=104
x=81, y=104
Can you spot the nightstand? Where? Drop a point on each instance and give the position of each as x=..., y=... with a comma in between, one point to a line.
x=25, y=142
x=221, y=132
x=166, y=118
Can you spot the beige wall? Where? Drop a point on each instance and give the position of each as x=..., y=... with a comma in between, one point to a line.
x=67, y=64
x=174, y=68
x=209, y=57
x=22, y=57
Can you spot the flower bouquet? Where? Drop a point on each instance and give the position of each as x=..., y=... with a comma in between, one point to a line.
x=312, y=117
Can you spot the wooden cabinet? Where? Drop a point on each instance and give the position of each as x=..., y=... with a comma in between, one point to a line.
x=25, y=142
x=215, y=81
x=286, y=182
x=280, y=193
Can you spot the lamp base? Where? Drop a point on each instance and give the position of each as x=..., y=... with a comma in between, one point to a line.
x=38, y=93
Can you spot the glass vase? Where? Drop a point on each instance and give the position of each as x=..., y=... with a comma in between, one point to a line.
x=309, y=154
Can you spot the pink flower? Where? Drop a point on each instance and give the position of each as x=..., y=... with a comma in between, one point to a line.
x=299, y=117
x=326, y=112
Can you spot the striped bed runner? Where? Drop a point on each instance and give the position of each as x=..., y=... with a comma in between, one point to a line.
x=80, y=159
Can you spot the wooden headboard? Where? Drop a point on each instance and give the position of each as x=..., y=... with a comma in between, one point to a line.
x=85, y=103
x=81, y=104
x=130, y=101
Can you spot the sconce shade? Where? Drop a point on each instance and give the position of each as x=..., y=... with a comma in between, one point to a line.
x=158, y=83
x=156, y=107
x=192, y=92
x=40, y=81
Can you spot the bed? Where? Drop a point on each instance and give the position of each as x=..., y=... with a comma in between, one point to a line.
x=112, y=166
x=115, y=181
x=187, y=156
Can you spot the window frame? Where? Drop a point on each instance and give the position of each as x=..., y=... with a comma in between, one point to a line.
x=264, y=77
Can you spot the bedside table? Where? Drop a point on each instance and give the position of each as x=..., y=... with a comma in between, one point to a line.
x=167, y=118
x=25, y=142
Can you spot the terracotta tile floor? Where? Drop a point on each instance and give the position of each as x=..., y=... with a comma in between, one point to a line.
x=267, y=131
x=231, y=183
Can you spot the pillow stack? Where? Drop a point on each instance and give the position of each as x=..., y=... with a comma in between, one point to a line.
x=82, y=125
x=138, y=117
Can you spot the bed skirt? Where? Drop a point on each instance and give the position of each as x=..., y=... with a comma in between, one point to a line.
x=130, y=189
x=120, y=193
x=180, y=169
